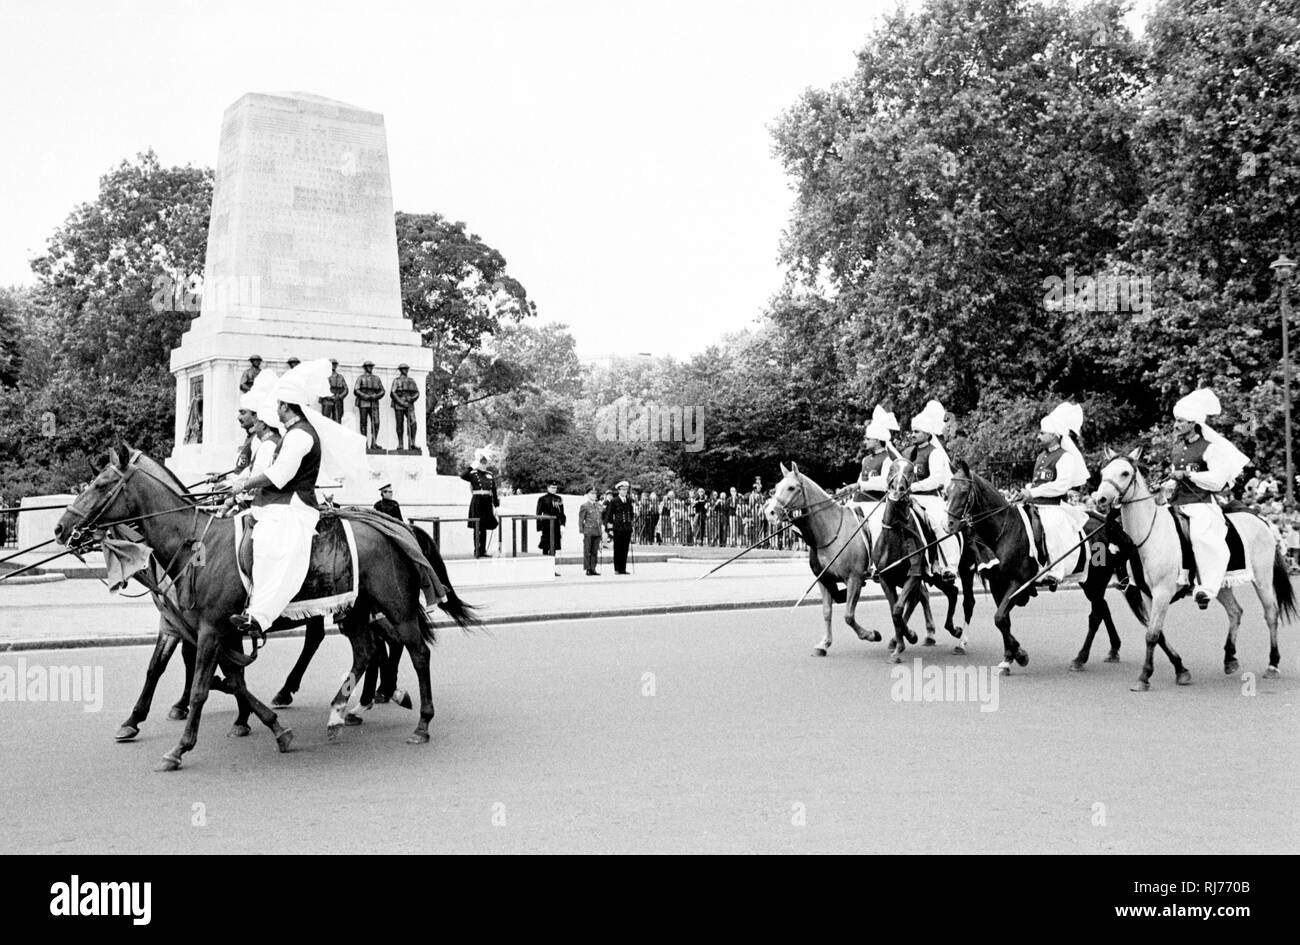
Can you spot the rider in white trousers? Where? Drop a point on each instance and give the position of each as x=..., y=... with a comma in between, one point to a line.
x=873, y=481
x=933, y=473
x=1059, y=468
x=1203, y=464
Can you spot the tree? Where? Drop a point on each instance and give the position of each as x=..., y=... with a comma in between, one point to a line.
x=457, y=293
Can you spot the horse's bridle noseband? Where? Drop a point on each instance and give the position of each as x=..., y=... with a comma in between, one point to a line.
x=90, y=523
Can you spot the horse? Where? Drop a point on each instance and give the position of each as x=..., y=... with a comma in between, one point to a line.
x=1158, y=546
x=904, y=571
x=832, y=537
x=135, y=488
x=976, y=506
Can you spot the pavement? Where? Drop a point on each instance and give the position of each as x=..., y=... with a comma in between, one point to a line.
x=78, y=613
x=703, y=732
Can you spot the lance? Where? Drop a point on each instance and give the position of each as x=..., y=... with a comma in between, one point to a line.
x=23, y=551
x=9, y=574
x=782, y=530
x=856, y=531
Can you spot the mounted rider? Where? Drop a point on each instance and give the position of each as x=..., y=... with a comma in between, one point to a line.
x=265, y=430
x=873, y=480
x=284, y=502
x=1059, y=468
x=933, y=473
x=1203, y=464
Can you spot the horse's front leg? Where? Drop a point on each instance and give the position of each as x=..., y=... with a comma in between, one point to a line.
x=853, y=590
x=912, y=593
x=897, y=644
x=923, y=593
x=1155, y=634
x=1012, y=651
x=205, y=665
x=828, y=608
x=362, y=638
x=180, y=710
x=1098, y=602
x=163, y=649
x=419, y=651
x=249, y=702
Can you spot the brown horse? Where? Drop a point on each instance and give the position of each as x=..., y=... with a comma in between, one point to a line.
x=134, y=488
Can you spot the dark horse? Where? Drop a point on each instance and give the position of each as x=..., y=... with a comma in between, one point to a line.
x=135, y=488
x=974, y=504
x=169, y=636
x=898, y=550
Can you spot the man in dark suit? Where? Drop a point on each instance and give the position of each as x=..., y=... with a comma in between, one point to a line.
x=386, y=503
x=619, y=518
x=550, y=504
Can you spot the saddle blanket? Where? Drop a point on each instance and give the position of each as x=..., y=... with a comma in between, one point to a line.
x=333, y=578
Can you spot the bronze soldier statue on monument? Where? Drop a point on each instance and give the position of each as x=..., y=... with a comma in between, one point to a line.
x=246, y=382
x=332, y=406
x=404, y=395
x=368, y=392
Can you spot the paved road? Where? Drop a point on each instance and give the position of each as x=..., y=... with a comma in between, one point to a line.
x=746, y=744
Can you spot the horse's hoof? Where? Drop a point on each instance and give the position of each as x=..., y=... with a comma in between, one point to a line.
x=818, y=651
x=1112, y=657
x=284, y=740
x=1230, y=667
x=893, y=644
x=960, y=649
x=1022, y=657
x=171, y=761
x=1140, y=686
x=417, y=738
x=896, y=658
x=1004, y=669
x=910, y=637
x=403, y=698
x=282, y=700
x=126, y=733
x=873, y=636
x=1184, y=678
x=353, y=719
x=1076, y=666
x=928, y=641
x=1272, y=673
x=238, y=731
x=178, y=714
x=332, y=732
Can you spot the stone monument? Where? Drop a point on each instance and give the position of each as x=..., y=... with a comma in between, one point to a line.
x=301, y=262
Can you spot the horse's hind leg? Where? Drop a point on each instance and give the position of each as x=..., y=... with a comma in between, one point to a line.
x=311, y=641
x=250, y=703
x=828, y=609
x=1181, y=673
x=1272, y=614
x=205, y=666
x=853, y=588
x=924, y=600
x=1098, y=603
x=357, y=628
x=162, y=654
x=1230, y=604
x=419, y=651
x=180, y=709
x=967, y=576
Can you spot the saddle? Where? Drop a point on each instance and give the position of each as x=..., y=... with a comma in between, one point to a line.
x=1236, y=551
x=332, y=576
x=1036, y=529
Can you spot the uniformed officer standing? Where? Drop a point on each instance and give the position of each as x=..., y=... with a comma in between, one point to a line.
x=551, y=504
x=386, y=503
x=404, y=395
x=1203, y=464
x=368, y=392
x=619, y=516
x=483, y=501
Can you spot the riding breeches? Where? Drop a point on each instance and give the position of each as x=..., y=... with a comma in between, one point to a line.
x=281, y=556
x=936, y=513
x=1063, y=526
x=1208, y=530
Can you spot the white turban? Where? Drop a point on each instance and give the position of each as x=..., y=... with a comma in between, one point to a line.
x=1220, y=454
x=882, y=425
x=1065, y=422
x=343, y=451
x=930, y=420
x=260, y=399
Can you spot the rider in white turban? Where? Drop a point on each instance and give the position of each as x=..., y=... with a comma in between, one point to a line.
x=873, y=480
x=933, y=473
x=1202, y=465
x=266, y=429
x=285, y=502
x=1059, y=468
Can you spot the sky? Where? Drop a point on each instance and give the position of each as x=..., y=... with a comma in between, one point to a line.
x=618, y=155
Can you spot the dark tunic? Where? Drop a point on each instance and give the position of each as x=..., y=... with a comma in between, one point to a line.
x=919, y=456
x=389, y=507
x=1189, y=457
x=483, y=503
x=619, y=516
x=245, y=453
x=1045, y=471
x=303, y=482
x=871, y=466
x=550, y=505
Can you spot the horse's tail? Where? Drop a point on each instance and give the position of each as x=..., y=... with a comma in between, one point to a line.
x=1282, y=588
x=464, y=614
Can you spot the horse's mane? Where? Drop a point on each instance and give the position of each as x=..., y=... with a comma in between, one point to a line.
x=162, y=472
x=987, y=492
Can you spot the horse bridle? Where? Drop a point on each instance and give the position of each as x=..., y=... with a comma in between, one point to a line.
x=793, y=513
x=90, y=523
x=1120, y=493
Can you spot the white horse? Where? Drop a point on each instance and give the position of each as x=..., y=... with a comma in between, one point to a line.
x=1154, y=533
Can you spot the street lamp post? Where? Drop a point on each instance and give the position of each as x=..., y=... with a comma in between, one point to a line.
x=1282, y=267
